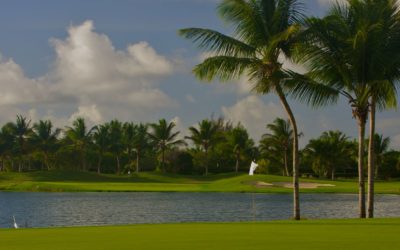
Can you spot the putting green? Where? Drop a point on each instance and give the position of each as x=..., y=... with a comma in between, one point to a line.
x=321, y=234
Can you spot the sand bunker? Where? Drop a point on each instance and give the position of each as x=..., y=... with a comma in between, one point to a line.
x=305, y=185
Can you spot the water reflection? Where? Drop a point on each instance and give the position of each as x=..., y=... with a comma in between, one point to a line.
x=76, y=209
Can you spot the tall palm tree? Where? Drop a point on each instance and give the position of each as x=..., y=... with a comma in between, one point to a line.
x=22, y=131
x=80, y=137
x=205, y=136
x=164, y=138
x=383, y=94
x=101, y=143
x=264, y=30
x=279, y=140
x=346, y=51
x=45, y=139
x=116, y=144
x=140, y=142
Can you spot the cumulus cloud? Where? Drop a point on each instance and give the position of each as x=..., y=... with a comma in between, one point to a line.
x=92, y=79
x=254, y=114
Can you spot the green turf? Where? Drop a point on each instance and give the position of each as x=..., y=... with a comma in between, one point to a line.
x=324, y=234
x=57, y=181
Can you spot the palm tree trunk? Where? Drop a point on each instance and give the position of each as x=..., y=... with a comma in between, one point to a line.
x=237, y=162
x=99, y=163
x=333, y=174
x=163, y=160
x=137, y=162
x=46, y=161
x=361, y=184
x=118, y=166
x=371, y=160
x=206, y=152
x=296, y=189
x=285, y=162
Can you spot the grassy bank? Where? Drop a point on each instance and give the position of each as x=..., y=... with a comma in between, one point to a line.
x=324, y=234
x=56, y=181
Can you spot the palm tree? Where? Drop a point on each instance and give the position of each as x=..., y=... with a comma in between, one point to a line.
x=45, y=139
x=116, y=144
x=263, y=31
x=164, y=138
x=346, y=51
x=205, y=136
x=279, y=140
x=140, y=142
x=239, y=139
x=128, y=134
x=7, y=141
x=330, y=151
x=22, y=130
x=101, y=142
x=79, y=137
x=381, y=146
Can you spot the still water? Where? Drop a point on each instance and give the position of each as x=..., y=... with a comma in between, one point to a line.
x=85, y=209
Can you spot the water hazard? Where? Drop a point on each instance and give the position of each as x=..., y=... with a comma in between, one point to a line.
x=87, y=209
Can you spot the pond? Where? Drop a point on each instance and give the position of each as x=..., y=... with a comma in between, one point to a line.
x=88, y=209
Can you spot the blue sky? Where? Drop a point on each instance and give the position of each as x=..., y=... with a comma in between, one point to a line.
x=123, y=59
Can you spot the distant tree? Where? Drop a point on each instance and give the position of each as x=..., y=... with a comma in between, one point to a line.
x=381, y=146
x=241, y=142
x=116, y=144
x=79, y=137
x=331, y=150
x=22, y=131
x=205, y=136
x=45, y=139
x=7, y=142
x=101, y=143
x=141, y=142
x=278, y=143
x=164, y=138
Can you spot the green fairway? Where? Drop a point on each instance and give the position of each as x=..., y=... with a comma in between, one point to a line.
x=58, y=181
x=324, y=234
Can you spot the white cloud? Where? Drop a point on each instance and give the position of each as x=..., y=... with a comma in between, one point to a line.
x=91, y=79
x=254, y=114
x=90, y=113
x=190, y=98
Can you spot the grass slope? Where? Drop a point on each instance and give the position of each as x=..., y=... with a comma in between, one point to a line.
x=324, y=234
x=59, y=181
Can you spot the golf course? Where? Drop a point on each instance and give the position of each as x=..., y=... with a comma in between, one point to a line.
x=63, y=181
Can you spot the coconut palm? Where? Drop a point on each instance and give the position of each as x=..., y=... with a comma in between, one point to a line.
x=140, y=142
x=264, y=31
x=22, y=130
x=79, y=137
x=205, y=136
x=7, y=140
x=164, y=138
x=45, y=139
x=279, y=140
x=101, y=143
x=330, y=151
x=116, y=144
x=346, y=51
x=128, y=133
x=381, y=146
x=239, y=139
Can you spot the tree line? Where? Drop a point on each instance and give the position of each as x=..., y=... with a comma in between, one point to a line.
x=213, y=145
